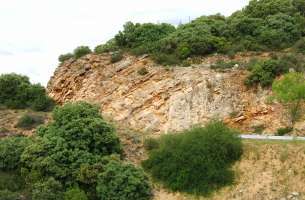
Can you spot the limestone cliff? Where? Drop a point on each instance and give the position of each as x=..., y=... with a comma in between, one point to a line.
x=165, y=99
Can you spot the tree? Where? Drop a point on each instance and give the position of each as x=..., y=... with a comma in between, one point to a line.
x=197, y=161
x=47, y=190
x=11, y=149
x=16, y=91
x=75, y=193
x=81, y=51
x=299, y=5
x=72, y=149
x=120, y=181
x=290, y=90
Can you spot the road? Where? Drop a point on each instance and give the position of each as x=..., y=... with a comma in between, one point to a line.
x=269, y=137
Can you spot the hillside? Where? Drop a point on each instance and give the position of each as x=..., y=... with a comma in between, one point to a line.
x=166, y=99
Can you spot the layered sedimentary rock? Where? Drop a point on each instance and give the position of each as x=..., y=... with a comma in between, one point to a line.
x=165, y=99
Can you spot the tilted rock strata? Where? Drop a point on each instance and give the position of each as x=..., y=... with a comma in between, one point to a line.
x=165, y=99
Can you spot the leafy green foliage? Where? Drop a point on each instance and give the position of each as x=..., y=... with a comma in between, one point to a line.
x=142, y=35
x=11, y=180
x=116, y=57
x=75, y=193
x=143, y=71
x=290, y=90
x=9, y=195
x=284, y=131
x=47, y=190
x=264, y=72
x=72, y=150
x=123, y=181
x=262, y=25
x=299, y=5
x=11, y=149
x=151, y=143
x=16, y=92
x=109, y=46
x=81, y=51
x=77, y=136
x=30, y=121
x=300, y=45
x=64, y=57
x=196, y=161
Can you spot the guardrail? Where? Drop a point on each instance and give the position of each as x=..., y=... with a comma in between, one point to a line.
x=271, y=137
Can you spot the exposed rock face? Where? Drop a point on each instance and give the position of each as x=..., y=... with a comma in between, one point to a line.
x=164, y=99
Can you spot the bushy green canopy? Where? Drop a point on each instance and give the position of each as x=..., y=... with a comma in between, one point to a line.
x=196, y=161
x=16, y=91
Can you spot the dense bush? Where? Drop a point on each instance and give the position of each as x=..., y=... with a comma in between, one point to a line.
x=116, y=57
x=47, y=190
x=16, y=91
x=75, y=194
x=300, y=45
x=142, y=35
x=11, y=149
x=109, y=46
x=77, y=136
x=11, y=180
x=264, y=72
x=262, y=25
x=64, y=57
x=81, y=51
x=30, y=121
x=197, y=161
x=283, y=131
x=9, y=195
x=123, y=181
x=151, y=143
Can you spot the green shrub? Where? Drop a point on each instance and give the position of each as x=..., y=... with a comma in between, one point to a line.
x=123, y=181
x=8, y=195
x=62, y=58
x=143, y=71
x=43, y=103
x=81, y=51
x=221, y=64
x=259, y=129
x=116, y=57
x=166, y=59
x=11, y=149
x=75, y=194
x=284, y=131
x=197, y=161
x=71, y=111
x=72, y=148
x=264, y=72
x=109, y=46
x=150, y=144
x=11, y=180
x=14, y=90
x=300, y=45
x=136, y=35
x=30, y=121
x=17, y=92
x=47, y=190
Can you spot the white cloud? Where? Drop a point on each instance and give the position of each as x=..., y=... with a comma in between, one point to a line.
x=34, y=32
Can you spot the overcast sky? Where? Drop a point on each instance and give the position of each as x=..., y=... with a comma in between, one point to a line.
x=33, y=33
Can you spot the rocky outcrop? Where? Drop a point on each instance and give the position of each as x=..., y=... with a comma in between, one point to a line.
x=164, y=99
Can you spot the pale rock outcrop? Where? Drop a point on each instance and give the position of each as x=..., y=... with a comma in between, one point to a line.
x=165, y=99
